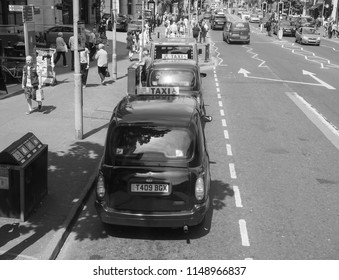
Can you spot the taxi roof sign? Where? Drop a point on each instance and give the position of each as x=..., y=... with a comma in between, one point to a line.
x=15, y=8
x=174, y=56
x=158, y=91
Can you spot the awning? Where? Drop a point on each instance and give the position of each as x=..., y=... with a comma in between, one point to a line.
x=316, y=6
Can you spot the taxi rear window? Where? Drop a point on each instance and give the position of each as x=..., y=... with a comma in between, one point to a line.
x=173, y=78
x=149, y=143
x=160, y=51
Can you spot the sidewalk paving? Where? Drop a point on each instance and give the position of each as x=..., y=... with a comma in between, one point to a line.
x=72, y=163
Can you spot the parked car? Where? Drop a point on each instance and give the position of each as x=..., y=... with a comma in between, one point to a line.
x=67, y=30
x=122, y=22
x=155, y=168
x=307, y=35
x=135, y=25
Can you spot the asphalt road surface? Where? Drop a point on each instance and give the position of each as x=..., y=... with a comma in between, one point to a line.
x=273, y=146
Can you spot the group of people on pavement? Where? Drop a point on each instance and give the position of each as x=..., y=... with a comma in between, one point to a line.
x=32, y=79
x=200, y=30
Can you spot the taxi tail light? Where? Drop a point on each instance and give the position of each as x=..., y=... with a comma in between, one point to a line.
x=100, y=187
x=199, y=189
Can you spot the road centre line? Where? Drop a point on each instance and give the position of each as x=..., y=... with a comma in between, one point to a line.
x=222, y=113
x=237, y=197
x=220, y=104
x=219, y=95
x=232, y=171
x=218, y=89
x=223, y=121
x=217, y=84
x=243, y=233
x=229, y=150
x=328, y=129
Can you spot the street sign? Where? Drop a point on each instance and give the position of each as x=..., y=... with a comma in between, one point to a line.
x=27, y=13
x=15, y=8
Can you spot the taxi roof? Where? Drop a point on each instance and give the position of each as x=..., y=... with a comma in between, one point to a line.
x=174, y=41
x=187, y=63
x=156, y=109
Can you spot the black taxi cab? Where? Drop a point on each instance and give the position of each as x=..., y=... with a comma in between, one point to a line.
x=175, y=48
x=155, y=168
x=171, y=72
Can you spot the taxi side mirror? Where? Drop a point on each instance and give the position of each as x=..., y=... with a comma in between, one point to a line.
x=203, y=75
x=205, y=118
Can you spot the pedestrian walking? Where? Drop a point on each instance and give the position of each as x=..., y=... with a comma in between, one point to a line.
x=129, y=46
x=84, y=65
x=92, y=43
x=102, y=62
x=268, y=26
x=196, y=31
x=203, y=32
x=61, y=49
x=71, y=47
x=31, y=82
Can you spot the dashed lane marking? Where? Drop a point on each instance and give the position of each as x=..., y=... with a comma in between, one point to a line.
x=237, y=196
x=229, y=150
x=232, y=171
x=243, y=232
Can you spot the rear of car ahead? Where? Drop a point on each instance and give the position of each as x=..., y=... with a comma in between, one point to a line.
x=218, y=21
x=308, y=35
x=155, y=169
x=236, y=32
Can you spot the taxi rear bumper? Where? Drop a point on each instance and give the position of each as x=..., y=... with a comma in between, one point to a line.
x=156, y=219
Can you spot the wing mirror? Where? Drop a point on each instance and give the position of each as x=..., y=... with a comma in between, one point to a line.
x=203, y=75
x=205, y=118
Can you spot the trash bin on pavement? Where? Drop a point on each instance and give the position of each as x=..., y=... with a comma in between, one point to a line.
x=23, y=177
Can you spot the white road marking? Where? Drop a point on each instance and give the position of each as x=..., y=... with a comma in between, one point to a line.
x=216, y=81
x=220, y=103
x=237, y=196
x=218, y=89
x=219, y=95
x=328, y=129
x=245, y=73
x=226, y=135
x=223, y=121
x=317, y=79
x=243, y=233
x=222, y=113
x=217, y=84
x=255, y=56
x=232, y=171
x=229, y=150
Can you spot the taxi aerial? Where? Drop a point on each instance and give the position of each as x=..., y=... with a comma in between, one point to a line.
x=155, y=168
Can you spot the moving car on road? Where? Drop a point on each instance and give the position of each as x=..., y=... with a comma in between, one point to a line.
x=286, y=26
x=218, y=21
x=236, y=30
x=307, y=35
x=155, y=168
x=254, y=18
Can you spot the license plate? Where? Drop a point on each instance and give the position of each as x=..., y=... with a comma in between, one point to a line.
x=150, y=188
x=243, y=37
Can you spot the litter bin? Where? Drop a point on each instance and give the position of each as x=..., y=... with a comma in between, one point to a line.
x=23, y=177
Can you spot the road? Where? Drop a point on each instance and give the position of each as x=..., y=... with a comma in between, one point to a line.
x=273, y=147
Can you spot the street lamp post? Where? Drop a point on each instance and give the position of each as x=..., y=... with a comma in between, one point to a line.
x=78, y=96
x=114, y=40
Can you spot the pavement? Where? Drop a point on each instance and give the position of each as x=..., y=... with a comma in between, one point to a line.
x=72, y=163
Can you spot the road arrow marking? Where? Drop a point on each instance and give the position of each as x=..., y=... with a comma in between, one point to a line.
x=317, y=79
x=321, y=83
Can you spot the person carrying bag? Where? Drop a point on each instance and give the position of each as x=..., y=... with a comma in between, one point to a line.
x=31, y=84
